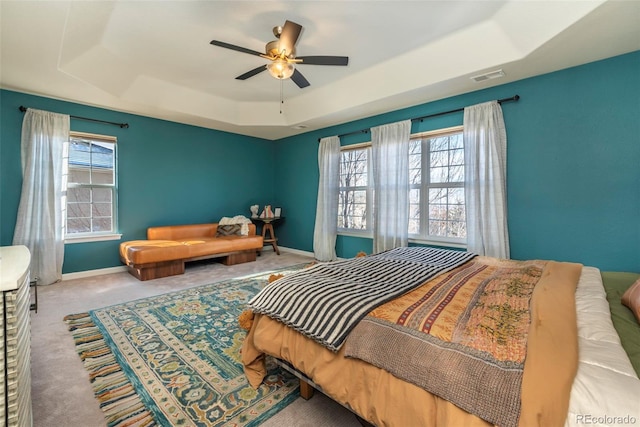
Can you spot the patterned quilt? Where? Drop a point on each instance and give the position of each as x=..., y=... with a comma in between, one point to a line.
x=463, y=336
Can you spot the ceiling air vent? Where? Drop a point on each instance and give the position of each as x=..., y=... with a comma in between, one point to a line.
x=487, y=76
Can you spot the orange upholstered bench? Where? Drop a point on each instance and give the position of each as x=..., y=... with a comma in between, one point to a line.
x=168, y=248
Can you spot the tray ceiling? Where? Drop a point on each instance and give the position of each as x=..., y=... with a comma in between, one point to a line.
x=153, y=58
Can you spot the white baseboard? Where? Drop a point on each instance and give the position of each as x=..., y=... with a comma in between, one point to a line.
x=90, y=273
x=122, y=268
x=296, y=251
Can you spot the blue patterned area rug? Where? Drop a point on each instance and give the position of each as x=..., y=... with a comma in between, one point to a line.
x=174, y=359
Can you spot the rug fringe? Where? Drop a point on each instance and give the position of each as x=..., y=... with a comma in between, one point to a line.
x=118, y=399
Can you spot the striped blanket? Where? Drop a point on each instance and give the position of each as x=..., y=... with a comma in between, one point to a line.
x=326, y=301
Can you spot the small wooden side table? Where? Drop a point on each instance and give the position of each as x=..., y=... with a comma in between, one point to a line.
x=267, y=226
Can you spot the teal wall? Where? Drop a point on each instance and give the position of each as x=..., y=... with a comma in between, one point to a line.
x=168, y=173
x=573, y=168
x=573, y=171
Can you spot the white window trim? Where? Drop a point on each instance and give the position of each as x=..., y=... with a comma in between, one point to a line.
x=84, y=238
x=70, y=239
x=367, y=232
x=423, y=237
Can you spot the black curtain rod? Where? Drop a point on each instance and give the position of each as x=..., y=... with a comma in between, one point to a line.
x=457, y=110
x=122, y=125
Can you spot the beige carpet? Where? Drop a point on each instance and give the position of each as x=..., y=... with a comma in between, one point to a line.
x=61, y=392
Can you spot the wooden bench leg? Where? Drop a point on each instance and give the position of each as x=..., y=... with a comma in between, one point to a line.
x=239, y=257
x=157, y=270
x=306, y=390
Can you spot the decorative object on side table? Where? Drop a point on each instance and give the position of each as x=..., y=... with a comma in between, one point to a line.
x=254, y=210
x=277, y=212
x=267, y=212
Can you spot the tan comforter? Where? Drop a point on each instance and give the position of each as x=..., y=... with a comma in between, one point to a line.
x=381, y=398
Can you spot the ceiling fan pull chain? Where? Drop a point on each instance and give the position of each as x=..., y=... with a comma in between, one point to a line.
x=281, y=97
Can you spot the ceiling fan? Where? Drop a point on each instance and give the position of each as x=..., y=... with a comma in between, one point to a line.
x=282, y=54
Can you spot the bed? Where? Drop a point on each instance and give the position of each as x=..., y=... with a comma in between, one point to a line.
x=571, y=369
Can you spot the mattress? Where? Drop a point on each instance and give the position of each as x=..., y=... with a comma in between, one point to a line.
x=606, y=390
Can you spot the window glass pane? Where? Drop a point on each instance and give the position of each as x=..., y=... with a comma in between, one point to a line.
x=456, y=174
x=439, y=175
x=79, y=174
x=447, y=215
x=456, y=213
x=415, y=161
x=78, y=210
x=101, y=210
x=457, y=229
x=78, y=225
x=439, y=158
x=456, y=196
x=352, y=202
x=438, y=228
x=353, y=168
x=414, y=226
x=101, y=195
x=456, y=157
x=79, y=161
x=101, y=225
x=360, y=179
x=101, y=176
x=78, y=195
x=437, y=211
x=437, y=195
x=102, y=170
x=415, y=176
x=456, y=141
x=439, y=143
x=352, y=209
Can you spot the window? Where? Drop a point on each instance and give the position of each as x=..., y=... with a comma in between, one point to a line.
x=436, y=199
x=91, y=187
x=436, y=179
x=354, y=193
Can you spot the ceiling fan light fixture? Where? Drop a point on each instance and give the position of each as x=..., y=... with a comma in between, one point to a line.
x=281, y=69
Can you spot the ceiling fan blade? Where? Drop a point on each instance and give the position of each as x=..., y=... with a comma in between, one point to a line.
x=236, y=48
x=299, y=79
x=252, y=73
x=324, y=60
x=289, y=36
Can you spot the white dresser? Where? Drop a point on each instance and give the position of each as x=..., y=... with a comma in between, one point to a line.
x=15, y=338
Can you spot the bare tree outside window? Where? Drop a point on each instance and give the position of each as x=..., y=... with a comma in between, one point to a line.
x=436, y=196
x=436, y=172
x=354, y=192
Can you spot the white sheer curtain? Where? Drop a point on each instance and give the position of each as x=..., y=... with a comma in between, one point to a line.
x=485, y=152
x=326, y=228
x=40, y=224
x=390, y=155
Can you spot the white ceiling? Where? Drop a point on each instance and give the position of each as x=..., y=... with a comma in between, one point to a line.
x=154, y=58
